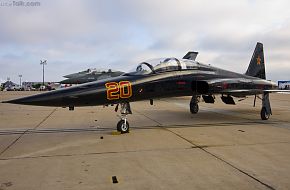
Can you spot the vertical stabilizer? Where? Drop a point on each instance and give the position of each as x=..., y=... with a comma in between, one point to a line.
x=257, y=63
x=191, y=55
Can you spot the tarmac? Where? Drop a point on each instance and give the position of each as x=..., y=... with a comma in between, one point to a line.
x=221, y=147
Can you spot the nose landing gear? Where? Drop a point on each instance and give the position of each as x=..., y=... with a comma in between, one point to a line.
x=123, y=124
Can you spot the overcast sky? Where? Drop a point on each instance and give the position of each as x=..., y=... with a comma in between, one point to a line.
x=118, y=34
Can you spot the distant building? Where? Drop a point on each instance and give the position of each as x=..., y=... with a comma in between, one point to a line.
x=9, y=85
x=37, y=85
x=30, y=85
x=284, y=85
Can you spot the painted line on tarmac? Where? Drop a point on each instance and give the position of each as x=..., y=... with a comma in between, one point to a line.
x=44, y=131
x=211, y=154
x=222, y=160
x=92, y=153
x=21, y=135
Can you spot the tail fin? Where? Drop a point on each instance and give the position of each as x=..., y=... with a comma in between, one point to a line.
x=257, y=63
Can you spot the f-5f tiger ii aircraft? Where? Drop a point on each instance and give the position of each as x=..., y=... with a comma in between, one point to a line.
x=162, y=78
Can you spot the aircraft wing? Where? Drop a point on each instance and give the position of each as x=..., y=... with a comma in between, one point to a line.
x=252, y=91
x=241, y=92
x=277, y=91
x=234, y=86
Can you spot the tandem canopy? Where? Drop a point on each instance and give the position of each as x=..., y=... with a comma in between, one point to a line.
x=164, y=65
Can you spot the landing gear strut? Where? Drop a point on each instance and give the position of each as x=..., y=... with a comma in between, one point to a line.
x=194, y=105
x=123, y=124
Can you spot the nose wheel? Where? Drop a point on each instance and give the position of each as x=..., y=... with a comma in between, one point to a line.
x=123, y=125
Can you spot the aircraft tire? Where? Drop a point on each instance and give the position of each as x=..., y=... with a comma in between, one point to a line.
x=264, y=114
x=121, y=127
x=194, y=108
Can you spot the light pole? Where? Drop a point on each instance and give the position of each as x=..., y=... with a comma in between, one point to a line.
x=43, y=63
x=20, y=84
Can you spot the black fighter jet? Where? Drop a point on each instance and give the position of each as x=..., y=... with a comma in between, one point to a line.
x=89, y=75
x=161, y=78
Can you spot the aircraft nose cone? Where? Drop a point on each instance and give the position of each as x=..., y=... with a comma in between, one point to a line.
x=25, y=100
x=45, y=99
x=9, y=101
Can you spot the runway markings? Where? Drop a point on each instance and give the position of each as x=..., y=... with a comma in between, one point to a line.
x=91, y=153
x=211, y=154
x=223, y=160
x=21, y=135
x=44, y=131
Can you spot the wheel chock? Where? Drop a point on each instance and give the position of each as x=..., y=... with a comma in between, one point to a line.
x=116, y=133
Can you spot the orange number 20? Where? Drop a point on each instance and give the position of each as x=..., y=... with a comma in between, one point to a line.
x=115, y=90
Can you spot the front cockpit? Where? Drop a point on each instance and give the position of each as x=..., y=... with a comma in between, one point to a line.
x=164, y=65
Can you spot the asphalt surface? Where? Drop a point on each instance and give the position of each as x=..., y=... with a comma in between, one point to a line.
x=221, y=147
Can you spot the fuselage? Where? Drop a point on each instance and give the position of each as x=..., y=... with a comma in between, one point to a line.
x=130, y=87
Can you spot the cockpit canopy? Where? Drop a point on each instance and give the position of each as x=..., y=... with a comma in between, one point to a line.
x=164, y=65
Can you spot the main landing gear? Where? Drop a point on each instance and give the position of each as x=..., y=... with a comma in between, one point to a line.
x=194, y=104
x=264, y=114
x=123, y=124
x=266, y=107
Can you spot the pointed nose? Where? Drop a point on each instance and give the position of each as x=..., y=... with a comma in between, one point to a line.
x=9, y=101
x=25, y=100
x=45, y=99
